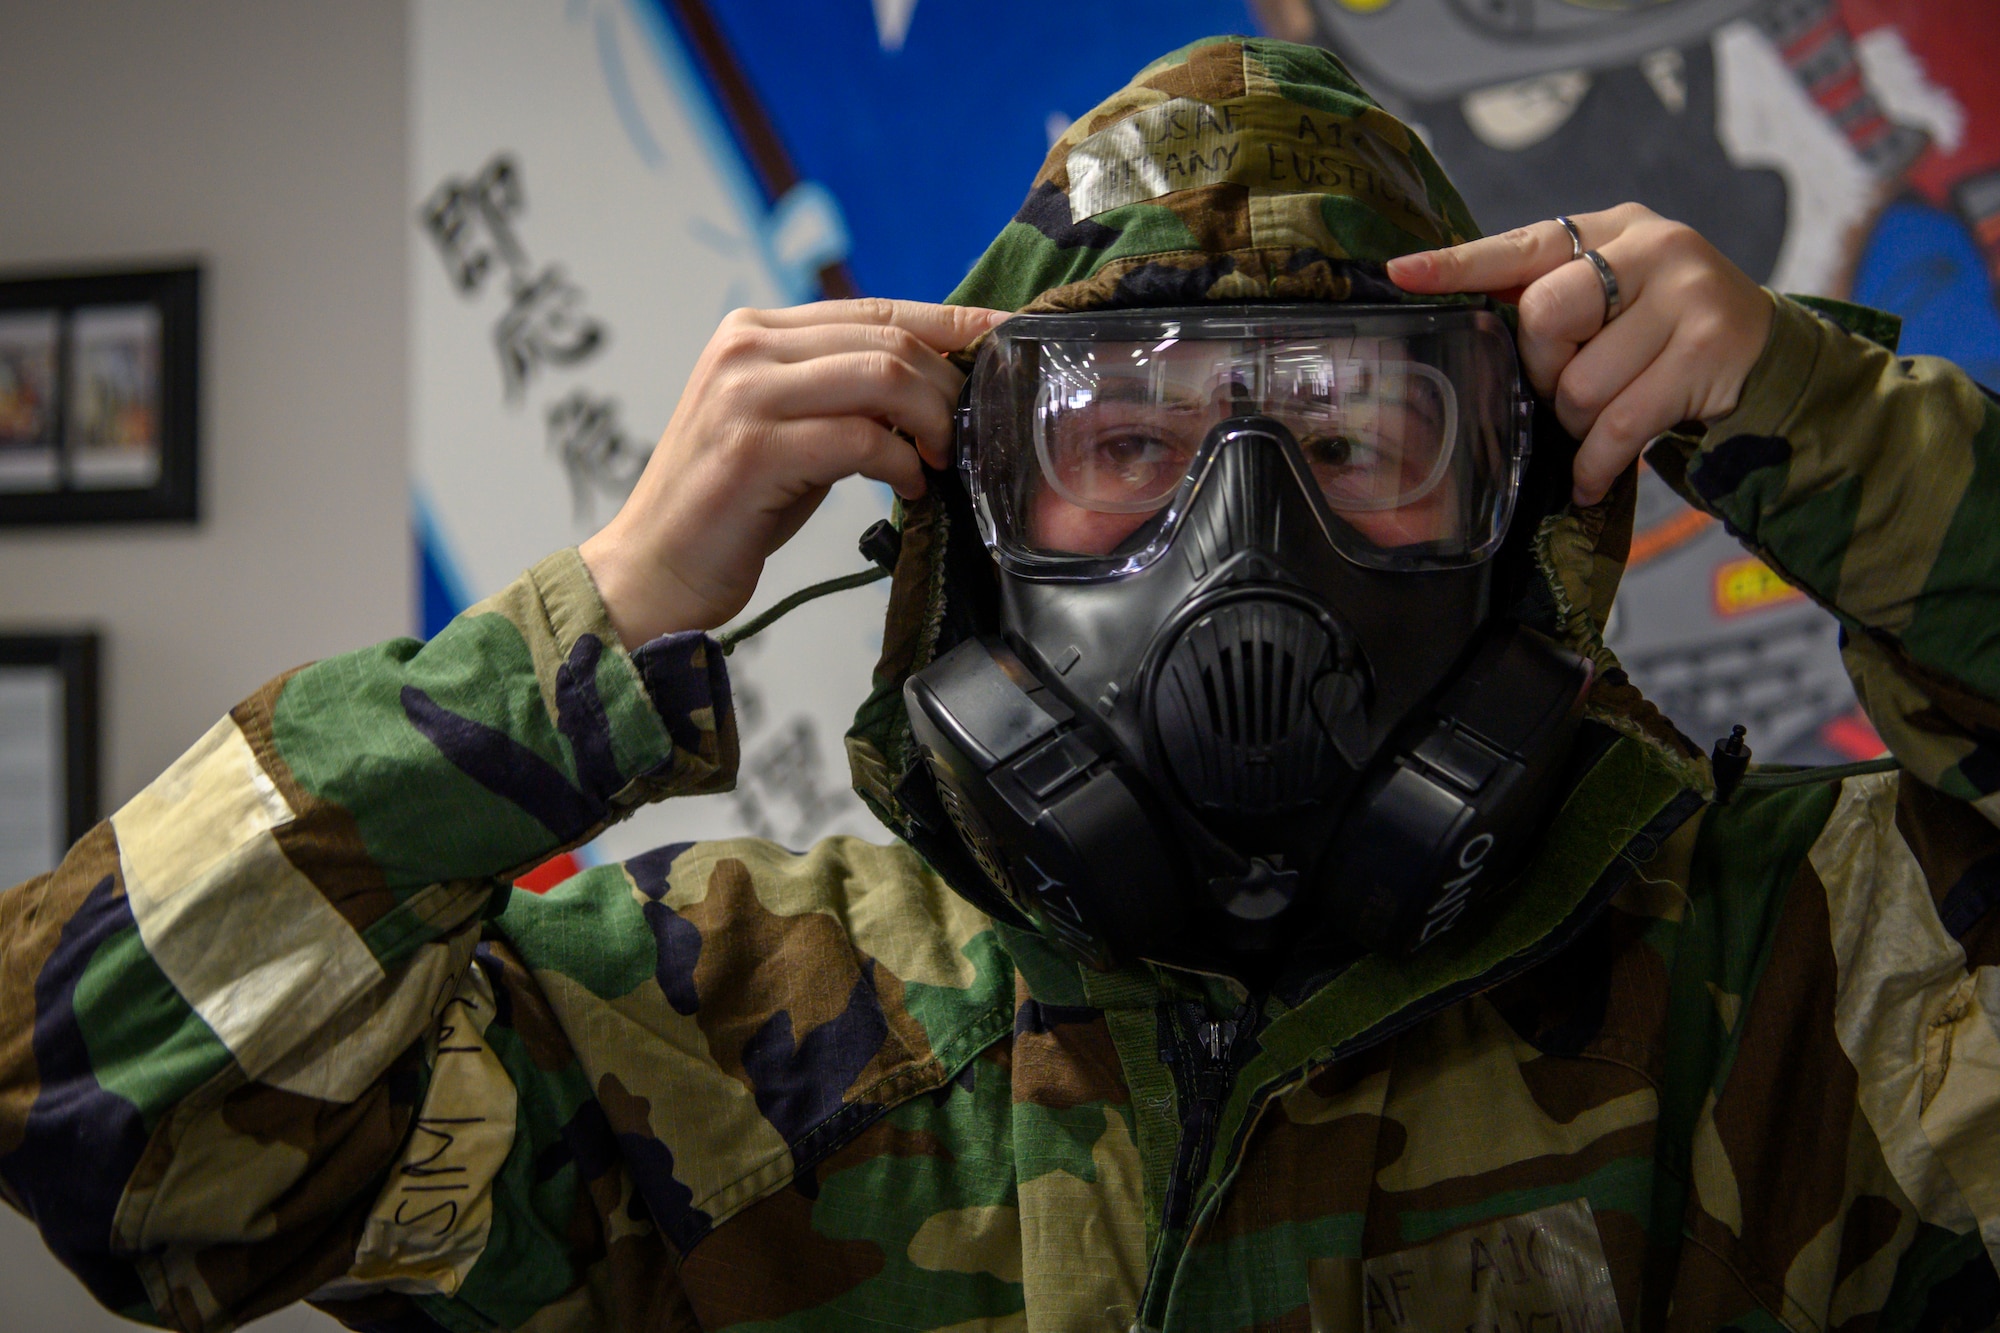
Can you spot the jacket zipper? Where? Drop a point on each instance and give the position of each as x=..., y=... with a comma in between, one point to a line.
x=1202, y=1052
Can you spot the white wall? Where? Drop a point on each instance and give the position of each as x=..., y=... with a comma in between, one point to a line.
x=267, y=139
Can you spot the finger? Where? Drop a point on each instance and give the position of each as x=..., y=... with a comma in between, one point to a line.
x=1516, y=258
x=876, y=385
x=828, y=449
x=1653, y=402
x=1559, y=313
x=943, y=328
x=1599, y=371
x=817, y=340
x=935, y=451
x=1490, y=264
x=791, y=519
x=1570, y=307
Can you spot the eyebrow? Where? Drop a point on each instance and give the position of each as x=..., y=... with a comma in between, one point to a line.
x=1133, y=389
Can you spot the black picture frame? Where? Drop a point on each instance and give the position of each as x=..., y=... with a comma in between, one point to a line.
x=76, y=655
x=116, y=436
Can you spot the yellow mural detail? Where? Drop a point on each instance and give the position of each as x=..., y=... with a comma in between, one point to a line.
x=1743, y=586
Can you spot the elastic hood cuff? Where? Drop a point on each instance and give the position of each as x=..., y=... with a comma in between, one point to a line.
x=683, y=677
x=687, y=678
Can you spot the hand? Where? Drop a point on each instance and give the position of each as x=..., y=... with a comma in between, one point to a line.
x=781, y=405
x=1688, y=327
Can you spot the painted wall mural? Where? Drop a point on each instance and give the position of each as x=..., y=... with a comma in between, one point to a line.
x=595, y=182
x=1837, y=147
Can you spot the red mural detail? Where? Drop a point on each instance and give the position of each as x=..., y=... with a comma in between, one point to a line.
x=1958, y=44
x=549, y=873
x=1851, y=734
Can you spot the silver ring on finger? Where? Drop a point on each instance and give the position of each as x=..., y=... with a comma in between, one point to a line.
x=1575, y=237
x=1606, y=279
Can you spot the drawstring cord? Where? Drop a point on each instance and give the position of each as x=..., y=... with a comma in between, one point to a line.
x=729, y=638
x=882, y=543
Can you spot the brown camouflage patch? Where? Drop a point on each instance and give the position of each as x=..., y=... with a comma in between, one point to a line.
x=883, y=1139
x=625, y=1111
x=1705, y=1292
x=770, y=1261
x=631, y=1280
x=1210, y=74
x=1218, y=216
x=273, y=1115
x=1604, y=998
x=345, y=1146
x=323, y=840
x=755, y=964
x=1790, y=1170
x=529, y=1015
x=32, y=917
x=596, y=1200
x=1955, y=710
x=1295, y=1172
x=1623, y=1237
x=1383, y=1232
x=1872, y=1222
x=1564, y=1089
x=315, y=1244
x=1117, y=107
x=1061, y=1062
x=1001, y=1056
x=639, y=1290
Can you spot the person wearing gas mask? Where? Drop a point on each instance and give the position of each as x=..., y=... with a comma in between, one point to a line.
x=1299, y=921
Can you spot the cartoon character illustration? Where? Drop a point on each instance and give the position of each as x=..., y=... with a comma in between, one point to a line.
x=1835, y=147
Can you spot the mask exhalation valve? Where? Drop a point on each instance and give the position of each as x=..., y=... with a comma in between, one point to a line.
x=1238, y=704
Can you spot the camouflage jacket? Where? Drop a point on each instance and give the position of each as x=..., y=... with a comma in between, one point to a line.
x=278, y=1030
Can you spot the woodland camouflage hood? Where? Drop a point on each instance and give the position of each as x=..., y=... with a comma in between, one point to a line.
x=1233, y=170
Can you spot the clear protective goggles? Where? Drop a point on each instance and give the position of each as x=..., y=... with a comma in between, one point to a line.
x=1084, y=436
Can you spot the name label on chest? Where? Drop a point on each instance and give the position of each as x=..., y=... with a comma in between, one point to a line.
x=1539, y=1272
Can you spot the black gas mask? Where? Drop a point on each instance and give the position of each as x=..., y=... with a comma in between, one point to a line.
x=1248, y=695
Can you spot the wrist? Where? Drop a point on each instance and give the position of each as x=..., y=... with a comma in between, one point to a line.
x=1758, y=330
x=1777, y=379
x=644, y=599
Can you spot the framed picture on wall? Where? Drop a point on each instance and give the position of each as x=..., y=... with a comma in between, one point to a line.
x=98, y=380
x=48, y=748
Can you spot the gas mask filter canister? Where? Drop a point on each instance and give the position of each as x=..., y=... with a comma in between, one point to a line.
x=1247, y=695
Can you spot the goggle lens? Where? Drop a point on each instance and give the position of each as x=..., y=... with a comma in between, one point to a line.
x=1081, y=440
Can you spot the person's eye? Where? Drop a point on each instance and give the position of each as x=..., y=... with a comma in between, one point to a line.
x=1133, y=454
x=1343, y=451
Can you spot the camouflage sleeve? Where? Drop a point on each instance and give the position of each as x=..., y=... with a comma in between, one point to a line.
x=220, y=1014
x=1873, y=483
